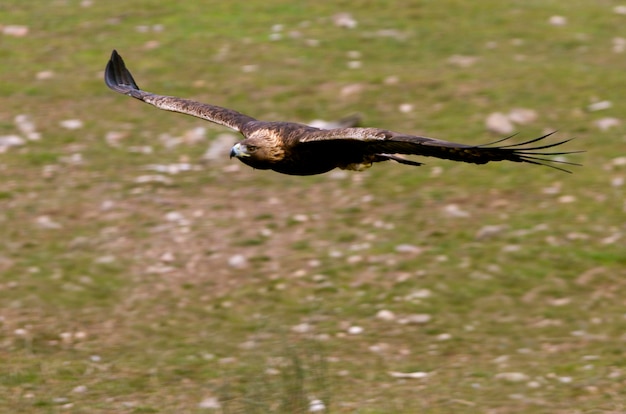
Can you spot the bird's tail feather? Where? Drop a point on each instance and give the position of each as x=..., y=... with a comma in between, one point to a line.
x=531, y=155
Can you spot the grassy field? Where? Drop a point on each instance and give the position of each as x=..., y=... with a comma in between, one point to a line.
x=139, y=277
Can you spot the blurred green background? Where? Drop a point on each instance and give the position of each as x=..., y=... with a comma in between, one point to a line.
x=142, y=271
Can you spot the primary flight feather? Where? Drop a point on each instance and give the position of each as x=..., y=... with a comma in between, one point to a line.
x=298, y=149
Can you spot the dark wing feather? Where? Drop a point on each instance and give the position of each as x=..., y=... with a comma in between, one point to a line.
x=118, y=78
x=372, y=141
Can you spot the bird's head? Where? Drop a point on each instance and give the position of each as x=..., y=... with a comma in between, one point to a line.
x=259, y=151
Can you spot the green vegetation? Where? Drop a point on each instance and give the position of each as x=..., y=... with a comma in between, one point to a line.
x=127, y=289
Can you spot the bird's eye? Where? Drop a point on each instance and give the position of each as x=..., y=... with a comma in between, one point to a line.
x=250, y=148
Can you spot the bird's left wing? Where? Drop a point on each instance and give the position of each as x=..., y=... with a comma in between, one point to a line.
x=118, y=78
x=380, y=141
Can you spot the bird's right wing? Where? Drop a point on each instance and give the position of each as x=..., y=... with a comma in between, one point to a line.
x=379, y=141
x=118, y=78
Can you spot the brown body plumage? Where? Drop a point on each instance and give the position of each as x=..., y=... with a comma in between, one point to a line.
x=298, y=149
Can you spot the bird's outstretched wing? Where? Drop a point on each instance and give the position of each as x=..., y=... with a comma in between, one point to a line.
x=372, y=141
x=118, y=78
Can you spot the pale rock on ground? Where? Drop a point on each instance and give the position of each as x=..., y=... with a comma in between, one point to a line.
x=71, y=124
x=599, y=106
x=409, y=375
x=604, y=124
x=344, y=20
x=462, y=61
x=558, y=20
x=502, y=123
x=512, y=376
x=316, y=406
x=220, y=147
x=499, y=123
x=619, y=44
x=14, y=30
x=210, y=403
x=8, y=141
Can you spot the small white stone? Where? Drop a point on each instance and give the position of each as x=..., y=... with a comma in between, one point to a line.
x=344, y=20
x=154, y=178
x=411, y=375
x=612, y=239
x=499, y=123
x=418, y=294
x=249, y=68
x=174, y=216
x=238, y=261
x=619, y=9
x=81, y=335
x=312, y=42
x=80, y=389
x=522, y=116
x=167, y=257
x=391, y=80
x=604, y=124
x=44, y=75
x=14, y=30
x=567, y=199
x=408, y=248
x=194, y=135
x=488, y=231
x=8, y=141
x=71, y=124
x=462, y=61
x=219, y=148
x=512, y=376
x=355, y=330
x=45, y=222
x=316, y=406
x=619, y=161
x=619, y=44
x=385, y=315
x=351, y=90
x=27, y=128
x=560, y=301
x=302, y=328
x=599, y=106
x=20, y=332
x=558, y=20
x=151, y=44
x=453, y=210
x=210, y=403
x=416, y=319
x=405, y=108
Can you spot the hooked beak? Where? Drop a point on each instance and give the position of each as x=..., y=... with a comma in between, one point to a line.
x=235, y=150
x=239, y=151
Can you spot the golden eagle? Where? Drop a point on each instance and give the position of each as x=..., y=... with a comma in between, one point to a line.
x=298, y=149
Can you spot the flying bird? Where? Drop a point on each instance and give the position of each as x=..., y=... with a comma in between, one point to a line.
x=299, y=149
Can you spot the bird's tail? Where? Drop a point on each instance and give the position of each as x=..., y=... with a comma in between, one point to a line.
x=118, y=78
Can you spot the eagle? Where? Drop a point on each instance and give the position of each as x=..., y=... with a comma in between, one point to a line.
x=300, y=149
